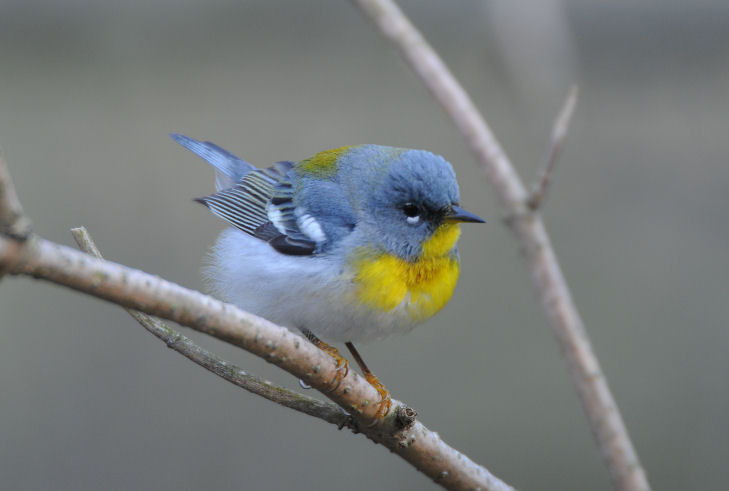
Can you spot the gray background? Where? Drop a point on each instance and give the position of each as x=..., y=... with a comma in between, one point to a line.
x=638, y=216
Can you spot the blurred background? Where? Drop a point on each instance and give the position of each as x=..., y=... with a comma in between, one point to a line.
x=89, y=91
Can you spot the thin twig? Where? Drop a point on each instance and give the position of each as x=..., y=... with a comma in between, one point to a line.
x=606, y=422
x=137, y=290
x=559, y=133
x=13, y=221
x=327, y=411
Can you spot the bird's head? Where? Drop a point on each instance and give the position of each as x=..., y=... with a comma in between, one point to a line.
x=409, y=200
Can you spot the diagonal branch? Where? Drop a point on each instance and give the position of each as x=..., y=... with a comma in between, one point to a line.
x=137, y=290
x=327, y=411
x=592, y=388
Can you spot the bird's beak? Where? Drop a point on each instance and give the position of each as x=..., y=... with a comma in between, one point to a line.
x=458, y=214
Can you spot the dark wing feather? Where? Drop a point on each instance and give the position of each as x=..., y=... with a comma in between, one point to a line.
x=293, y=247
x=246, y=207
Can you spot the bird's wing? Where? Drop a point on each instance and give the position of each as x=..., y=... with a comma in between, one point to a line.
x=257, y=201
x=261, y=205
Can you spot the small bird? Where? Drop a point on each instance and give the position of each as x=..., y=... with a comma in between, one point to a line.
x=350, y=245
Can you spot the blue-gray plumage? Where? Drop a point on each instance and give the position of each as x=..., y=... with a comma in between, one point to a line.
x=229, y=168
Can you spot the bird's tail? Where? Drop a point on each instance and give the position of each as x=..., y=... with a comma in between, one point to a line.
x=229, y=169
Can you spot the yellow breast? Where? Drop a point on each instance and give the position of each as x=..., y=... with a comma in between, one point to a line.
x=384, y=281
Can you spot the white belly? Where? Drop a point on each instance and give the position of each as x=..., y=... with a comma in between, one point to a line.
x=311, y=292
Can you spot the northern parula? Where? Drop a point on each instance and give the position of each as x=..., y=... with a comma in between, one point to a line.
x=352, y=244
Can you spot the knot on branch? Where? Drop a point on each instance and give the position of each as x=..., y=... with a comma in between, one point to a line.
x=405, y=416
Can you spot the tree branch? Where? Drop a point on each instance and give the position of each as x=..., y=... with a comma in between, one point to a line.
x=606, y=422
x=137, y=290
x=327, y=411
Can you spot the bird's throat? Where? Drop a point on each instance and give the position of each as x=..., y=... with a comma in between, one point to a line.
x=423, y=286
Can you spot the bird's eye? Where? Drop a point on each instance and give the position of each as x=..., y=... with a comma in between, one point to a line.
x=410, y=210
x=412, y=213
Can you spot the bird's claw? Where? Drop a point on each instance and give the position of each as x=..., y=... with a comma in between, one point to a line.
x=342, y=365
x=341, y=370
x=385, y=399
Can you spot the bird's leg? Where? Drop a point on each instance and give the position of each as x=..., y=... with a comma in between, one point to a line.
x=385, y=400
x=342, y=363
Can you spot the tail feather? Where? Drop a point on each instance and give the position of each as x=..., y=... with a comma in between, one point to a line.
x=229, y=169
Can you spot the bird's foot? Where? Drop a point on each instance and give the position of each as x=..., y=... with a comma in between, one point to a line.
x=342, y=364
x=385, y=399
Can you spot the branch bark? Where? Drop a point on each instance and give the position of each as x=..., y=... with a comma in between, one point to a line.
x=592, y=388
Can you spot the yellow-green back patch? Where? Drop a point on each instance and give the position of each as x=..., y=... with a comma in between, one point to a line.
x=323, y=164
